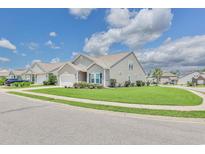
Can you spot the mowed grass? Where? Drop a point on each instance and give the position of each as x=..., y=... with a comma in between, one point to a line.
x=171, y=113
x=135, y=95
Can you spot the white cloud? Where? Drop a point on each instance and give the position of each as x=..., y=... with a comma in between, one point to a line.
x=3, y=59
x=142, y=27
x=185, y=53
x=53, y=34
x=51, y=45
x=118, y=17
x=4, y=43
x=74, y=54
x=81, y=13
x=32, y=45
x=35, y=61
x=55, y=60
x=27, y=66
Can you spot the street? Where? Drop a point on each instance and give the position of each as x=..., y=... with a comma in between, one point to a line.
x=27, y=121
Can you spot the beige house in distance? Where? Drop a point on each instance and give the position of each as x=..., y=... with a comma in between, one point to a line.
x=168, y=78
x=38, y=72
x=16, y=74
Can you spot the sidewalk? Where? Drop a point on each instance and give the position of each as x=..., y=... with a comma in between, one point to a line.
x=161, y=107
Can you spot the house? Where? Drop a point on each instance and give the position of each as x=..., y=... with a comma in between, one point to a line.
x=199, y=80
x=168, y=78
x=16, y=74
x=4, y=73
x=38, y=72
x=99, y=70
x=188, y=77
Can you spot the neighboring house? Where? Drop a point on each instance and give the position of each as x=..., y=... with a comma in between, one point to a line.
x=151, y=79
x=199, y=80
x=4, y=73
x=168, y=78
x=39, y=71
x=99, y=70
x=16, y=74
x=188, y=78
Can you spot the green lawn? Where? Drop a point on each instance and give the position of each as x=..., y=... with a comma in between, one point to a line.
x=135, y=95
x=13, y=87
x=171, y=113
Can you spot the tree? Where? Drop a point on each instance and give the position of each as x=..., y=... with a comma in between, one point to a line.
x=52, y=79
x=177, y=72
x=2, y=80
x=157, y=73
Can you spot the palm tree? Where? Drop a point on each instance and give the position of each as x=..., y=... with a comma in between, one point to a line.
x=157, y=73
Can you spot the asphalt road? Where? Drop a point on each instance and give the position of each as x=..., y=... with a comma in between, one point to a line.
x=26, y=121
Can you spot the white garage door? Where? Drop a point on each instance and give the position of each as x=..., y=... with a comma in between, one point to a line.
x=200, y=81
x=67, y=80
x=40, y=79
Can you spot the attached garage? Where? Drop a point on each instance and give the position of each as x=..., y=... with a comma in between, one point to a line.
x=67, y=79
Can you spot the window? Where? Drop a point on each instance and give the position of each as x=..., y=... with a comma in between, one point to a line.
x=130, y=65
x=92, y=78
x=95, y=78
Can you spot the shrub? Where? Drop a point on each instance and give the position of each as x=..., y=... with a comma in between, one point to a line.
x=189, y=84
x=87, y=85
x=113, y=82
x=45, y=83
x=143, y=83
x=52, y=79
x=127, y=83
x=138, y=83
x=91, y=86
x=21, y=84
x=99, y=86
x=2, y=80
x=148, y=83
x=83, y=85
x=132, y=84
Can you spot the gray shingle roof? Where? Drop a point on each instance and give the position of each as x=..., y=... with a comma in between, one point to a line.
x=168, y=74
x=19, y=71
x=49, y=67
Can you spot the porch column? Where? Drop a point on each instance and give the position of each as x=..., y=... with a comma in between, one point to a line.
x=77, y=76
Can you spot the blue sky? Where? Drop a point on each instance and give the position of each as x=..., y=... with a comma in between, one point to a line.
x=27, y=35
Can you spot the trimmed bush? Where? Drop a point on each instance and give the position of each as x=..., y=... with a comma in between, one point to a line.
x=140, y=83
x=132, y=84
x=148, y=83
x=113, y=82
x=21, y=84
x=84, y=85
x=189, y=84
x=45, y=83
x=127, y=83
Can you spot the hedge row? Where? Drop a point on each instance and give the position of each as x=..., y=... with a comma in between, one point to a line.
x=87, y=85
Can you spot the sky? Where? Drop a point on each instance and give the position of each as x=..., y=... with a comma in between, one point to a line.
x=172, y=39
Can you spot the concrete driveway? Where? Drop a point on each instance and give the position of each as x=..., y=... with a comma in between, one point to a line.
x=27, y=121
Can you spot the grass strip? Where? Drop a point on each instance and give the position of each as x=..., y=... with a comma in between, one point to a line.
x=171, y=113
